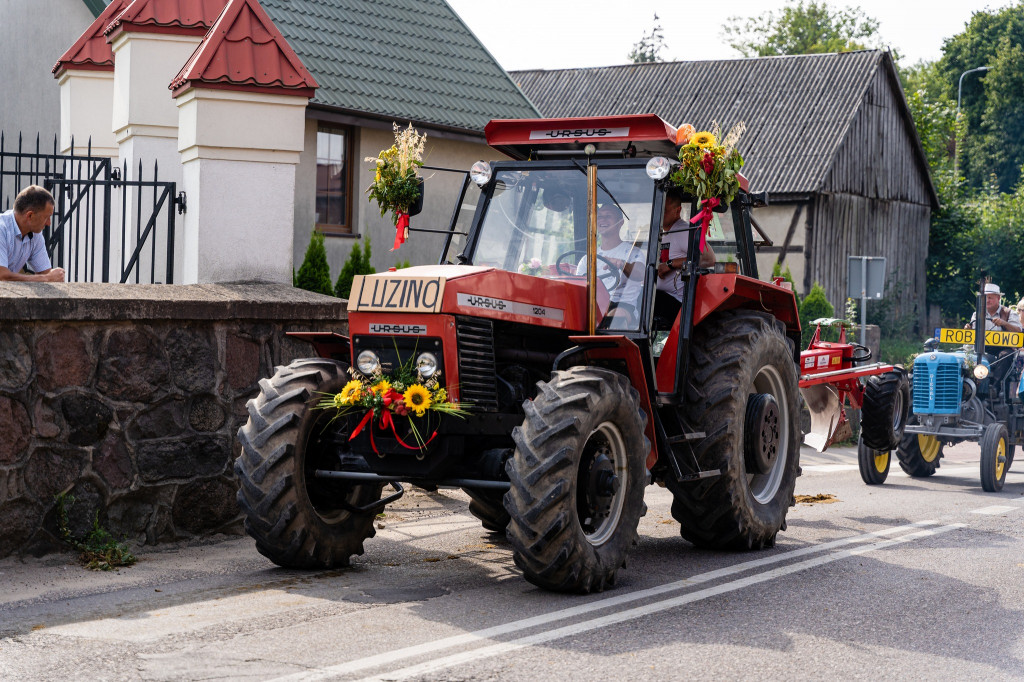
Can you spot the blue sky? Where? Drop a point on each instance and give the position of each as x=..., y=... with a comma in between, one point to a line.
x=549, y=34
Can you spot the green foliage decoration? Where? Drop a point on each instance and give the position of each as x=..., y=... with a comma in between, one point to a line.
x=314, y=273
x=357, y=263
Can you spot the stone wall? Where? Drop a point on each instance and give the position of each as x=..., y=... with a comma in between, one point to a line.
x=129, y=397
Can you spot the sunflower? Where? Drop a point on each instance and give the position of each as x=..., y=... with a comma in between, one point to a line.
x=349, y=395
x=704, y=139
x=417, y=399
x=382, y=387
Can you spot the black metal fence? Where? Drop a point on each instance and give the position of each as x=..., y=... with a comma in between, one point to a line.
x=106, y=226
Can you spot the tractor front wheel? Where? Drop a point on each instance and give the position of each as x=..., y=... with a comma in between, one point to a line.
x=742, y=393
x=874, y=464
x=884, y=413
x=297, y=519
x=578, y=476
x=487, y=506
x=995, y=457
x=919, y=454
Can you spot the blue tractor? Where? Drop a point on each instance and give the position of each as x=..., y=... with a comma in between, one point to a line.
x=969, y=394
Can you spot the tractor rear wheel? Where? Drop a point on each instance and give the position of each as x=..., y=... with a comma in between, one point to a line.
x=487, y=505
x=578, y=475
x=994, y=457
x=874, y=464
x=297, y=520
x=742, y=393
x=884, y=413
x=919, y=454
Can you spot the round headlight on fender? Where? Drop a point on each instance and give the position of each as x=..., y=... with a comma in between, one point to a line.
x=367, y=362
x=658, y=167
x=480, y=172
x=426, y=365
x=980, y=372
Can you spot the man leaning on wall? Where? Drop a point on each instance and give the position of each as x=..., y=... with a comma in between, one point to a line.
x=21, y=243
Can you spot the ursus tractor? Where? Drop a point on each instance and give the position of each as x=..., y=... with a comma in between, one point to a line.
x=558, y=400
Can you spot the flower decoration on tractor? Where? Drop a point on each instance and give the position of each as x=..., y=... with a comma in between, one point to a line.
x=396, y=185
x=707, y=170
x=382, y=397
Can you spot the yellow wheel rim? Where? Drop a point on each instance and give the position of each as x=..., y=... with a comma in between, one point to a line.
x=881, y=461
x=1000, y=459
x=929, y=446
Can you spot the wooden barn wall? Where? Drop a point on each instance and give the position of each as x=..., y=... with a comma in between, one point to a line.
x=846, y=224
x=877, y=158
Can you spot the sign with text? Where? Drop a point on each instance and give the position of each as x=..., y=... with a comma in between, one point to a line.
x=965, y=337
x=396, y=293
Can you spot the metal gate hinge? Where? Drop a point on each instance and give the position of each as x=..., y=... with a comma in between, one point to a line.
x=181, y=202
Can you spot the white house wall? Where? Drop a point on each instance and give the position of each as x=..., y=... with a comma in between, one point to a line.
x=441, y=192
x=36, y=32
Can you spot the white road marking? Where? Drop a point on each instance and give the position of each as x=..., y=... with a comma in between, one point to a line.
x=596, y=605
x=995, y=509
x=827, y=468
x=646, y=610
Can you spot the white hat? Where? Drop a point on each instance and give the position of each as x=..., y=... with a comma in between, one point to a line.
x=992, y=289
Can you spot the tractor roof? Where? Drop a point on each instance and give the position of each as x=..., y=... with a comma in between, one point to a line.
x=532, y=137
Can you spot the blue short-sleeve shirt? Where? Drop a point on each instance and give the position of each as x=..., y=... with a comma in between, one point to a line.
x=16, y=251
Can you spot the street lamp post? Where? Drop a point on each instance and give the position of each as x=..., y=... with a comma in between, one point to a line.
x=960, y=85
x=956, y=140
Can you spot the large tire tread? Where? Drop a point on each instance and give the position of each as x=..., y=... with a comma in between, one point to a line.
x=881, y=427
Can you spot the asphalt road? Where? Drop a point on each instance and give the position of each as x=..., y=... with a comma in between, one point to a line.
x=915, y=579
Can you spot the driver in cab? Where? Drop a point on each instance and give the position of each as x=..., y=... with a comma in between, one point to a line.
x=998, y=317
x=626, y=257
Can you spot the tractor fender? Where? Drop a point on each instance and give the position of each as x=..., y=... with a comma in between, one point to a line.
x=728, y=291
x=330, y=345
x=598, y=349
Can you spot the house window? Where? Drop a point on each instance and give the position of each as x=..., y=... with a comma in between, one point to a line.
x=333, y=164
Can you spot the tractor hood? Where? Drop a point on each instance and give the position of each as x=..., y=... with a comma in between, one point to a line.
x=480, y=291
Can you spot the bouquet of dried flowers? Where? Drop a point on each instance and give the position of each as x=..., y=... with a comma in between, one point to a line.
x=707, y=169
x=396, y=185
x=403, y=392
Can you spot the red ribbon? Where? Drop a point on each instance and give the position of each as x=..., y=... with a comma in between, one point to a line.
x=705, y=217
x=401, y=230
x=386, y=422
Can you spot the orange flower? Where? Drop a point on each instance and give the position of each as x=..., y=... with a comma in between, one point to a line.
x=684, y=133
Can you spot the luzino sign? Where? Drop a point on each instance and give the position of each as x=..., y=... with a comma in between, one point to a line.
x=396, y=293
x=992, y=338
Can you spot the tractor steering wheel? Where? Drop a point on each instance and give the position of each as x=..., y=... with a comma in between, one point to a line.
x=613, y=274
x=860, y=353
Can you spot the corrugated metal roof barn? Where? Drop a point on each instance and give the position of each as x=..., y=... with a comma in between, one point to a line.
x=829, y=136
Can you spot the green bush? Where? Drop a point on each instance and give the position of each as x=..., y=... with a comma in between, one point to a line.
x=403, y=264
x=787, y=276
x=815, y=306
x=357, y=263
x=314, y=273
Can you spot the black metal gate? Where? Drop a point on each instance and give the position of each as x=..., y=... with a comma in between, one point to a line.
x=105, y=226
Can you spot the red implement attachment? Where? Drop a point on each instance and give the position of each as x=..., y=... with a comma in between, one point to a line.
x=828, y=380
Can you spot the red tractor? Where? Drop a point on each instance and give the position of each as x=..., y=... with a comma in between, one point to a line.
x=576, y=398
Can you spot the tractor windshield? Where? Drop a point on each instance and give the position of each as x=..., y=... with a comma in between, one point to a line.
x=536, y=223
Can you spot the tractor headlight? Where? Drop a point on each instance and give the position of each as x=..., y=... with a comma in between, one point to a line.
x=367, y=362
x=980, y=372
x=480, y=172
x=426, y=365
x=658, y=167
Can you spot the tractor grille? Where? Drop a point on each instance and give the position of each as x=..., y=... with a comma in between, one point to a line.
x=477, y=369
x=937, y=385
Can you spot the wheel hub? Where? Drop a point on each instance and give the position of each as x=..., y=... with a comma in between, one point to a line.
x=598, y=487
x=762, y=433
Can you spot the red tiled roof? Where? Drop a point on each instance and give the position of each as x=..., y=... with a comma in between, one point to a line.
x=245, y=51
x=186, y=17
x=91, y=50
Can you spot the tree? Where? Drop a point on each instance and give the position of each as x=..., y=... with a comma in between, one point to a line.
x=802, y=28
x=648, y=48
x=357, y=263
x=992, y=102
x=315, y=273
x=815, y=306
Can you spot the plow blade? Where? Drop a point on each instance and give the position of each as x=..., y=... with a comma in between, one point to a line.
x=827, y=420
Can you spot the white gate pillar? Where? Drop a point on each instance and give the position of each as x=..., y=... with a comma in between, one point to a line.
x=241, y=126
